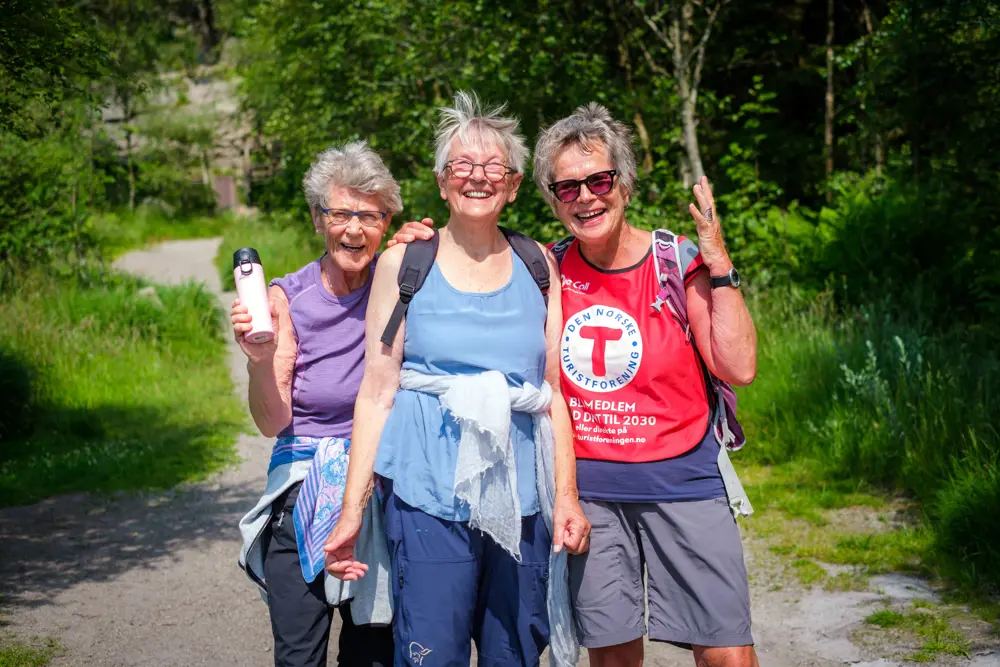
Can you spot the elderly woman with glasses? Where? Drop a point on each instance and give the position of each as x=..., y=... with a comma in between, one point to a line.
x=303, y=386
x=449, y=418
x=659, y=489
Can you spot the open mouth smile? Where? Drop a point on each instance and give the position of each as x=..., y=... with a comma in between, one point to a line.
x=588, y=217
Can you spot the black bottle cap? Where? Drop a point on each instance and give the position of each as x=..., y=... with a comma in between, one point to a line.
x=244, y=255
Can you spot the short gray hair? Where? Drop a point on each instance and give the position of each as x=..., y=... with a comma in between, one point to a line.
x=469, y=114
x=589, y=126
x=356, y=166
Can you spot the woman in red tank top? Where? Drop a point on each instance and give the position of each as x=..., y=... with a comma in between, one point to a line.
x=648, y=465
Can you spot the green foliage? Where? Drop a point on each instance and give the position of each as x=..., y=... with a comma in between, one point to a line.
x=16, y=654
x=878, y=399
x=285, y=243
x=47, y=184
x=117, y=232
x=937, y=634
x=49, y=54
x=122, y=390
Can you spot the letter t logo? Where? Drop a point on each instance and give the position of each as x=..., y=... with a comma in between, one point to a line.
x=600, y=336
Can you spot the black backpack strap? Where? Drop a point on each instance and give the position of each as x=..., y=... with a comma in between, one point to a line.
x=533, y=258
x=417, y=262
x=560, y=248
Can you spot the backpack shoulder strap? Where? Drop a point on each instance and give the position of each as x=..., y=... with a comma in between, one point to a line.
x=533, y=258
x=417, y=262
x=687, y=250
x=560, y=248
x=672, y=260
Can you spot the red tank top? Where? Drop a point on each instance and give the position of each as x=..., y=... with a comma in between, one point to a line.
x=632, y=380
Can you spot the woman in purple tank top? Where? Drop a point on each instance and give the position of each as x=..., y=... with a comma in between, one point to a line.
x=303, y=385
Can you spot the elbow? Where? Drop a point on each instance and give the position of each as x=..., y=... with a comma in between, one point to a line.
x=270, y=428
x=745, y=376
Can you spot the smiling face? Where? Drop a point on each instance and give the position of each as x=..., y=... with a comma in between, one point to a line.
x=351, y=246
x=591, y=218
x=475, y=197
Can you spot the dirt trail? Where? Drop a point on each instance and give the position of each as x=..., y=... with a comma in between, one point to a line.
x=151, y=579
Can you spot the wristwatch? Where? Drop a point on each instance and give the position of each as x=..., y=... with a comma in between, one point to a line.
x=731, y=279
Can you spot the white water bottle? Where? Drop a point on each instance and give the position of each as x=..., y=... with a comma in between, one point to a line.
x=252, y=291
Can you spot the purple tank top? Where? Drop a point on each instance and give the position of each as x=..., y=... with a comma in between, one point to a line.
x=330, y=355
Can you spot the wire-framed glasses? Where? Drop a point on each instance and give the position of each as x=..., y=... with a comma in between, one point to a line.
x=342, y=216
x=494, y=171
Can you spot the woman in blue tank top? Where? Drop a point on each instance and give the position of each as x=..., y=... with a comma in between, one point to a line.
x=448, y=419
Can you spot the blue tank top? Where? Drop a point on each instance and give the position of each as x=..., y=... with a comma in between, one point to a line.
x=450, y=332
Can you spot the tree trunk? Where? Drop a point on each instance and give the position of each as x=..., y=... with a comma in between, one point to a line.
x=684, y=167
x=689, y=118
x=127, y=111
x=866, y=17
x=687, y=89
x=828, y=130
x=209, y=33
x=647, y=150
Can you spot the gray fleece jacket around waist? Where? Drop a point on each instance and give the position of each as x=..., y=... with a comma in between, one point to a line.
x=370, y=597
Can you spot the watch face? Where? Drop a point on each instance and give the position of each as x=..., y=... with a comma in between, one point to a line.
x=734, y=277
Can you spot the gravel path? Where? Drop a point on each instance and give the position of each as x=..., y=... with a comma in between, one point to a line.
x=151, y=579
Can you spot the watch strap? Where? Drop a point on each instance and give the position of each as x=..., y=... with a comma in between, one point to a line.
x=721, y=281
x=731, y=279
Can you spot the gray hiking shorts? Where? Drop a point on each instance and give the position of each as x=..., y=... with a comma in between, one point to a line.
x=693, y=559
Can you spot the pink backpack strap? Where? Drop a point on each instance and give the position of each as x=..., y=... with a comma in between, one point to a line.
x=672, y=259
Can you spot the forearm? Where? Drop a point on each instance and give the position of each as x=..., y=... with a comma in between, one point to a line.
x=733, y=335
x=369, y=420
x=271, y=410
x=565, y=455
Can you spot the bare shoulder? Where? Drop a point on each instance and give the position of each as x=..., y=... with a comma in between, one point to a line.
x=278, y=297
x=391, y=259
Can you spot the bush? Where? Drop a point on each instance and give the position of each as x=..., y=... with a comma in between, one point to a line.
x=285, y=242
x=118, y=390
x=116, y=232
x=882, y=400
x=46, y=187
x=922, y=247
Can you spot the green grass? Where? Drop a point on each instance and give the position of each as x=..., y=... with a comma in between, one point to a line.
x=108, y=390
x=285, y=243
x=808, y=572
x=857, y=409
x=119, y=232
x=936, y=633
x=16, y=654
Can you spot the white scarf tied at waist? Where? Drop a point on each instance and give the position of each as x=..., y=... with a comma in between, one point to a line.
x=486, y=475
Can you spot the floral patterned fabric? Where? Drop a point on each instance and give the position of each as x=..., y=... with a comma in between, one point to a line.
x=321, y=497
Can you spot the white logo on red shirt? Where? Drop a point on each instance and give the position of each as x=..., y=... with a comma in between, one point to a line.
x=601, y=349
x=578, y=286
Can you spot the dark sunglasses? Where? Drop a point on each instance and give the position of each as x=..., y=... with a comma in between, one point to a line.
x=599, y=184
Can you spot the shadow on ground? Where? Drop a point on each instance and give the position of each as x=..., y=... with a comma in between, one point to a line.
x=57, y=544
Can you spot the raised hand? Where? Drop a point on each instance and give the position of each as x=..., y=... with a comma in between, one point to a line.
x=412, y=231
x=256, y=352
x=710, y=241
